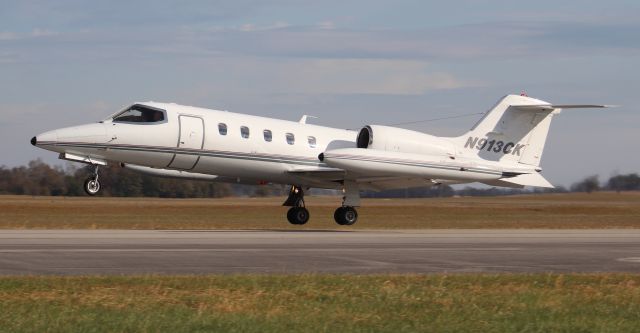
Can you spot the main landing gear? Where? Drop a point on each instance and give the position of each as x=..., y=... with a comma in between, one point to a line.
x=297, y=214
x=347, y=214
x=344, y=215
x=92, y=185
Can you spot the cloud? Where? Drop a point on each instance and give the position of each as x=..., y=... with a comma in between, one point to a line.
x=326, y=25
x=264, y=77
x=7, y=35
x=71, y=14
x=7, y=58
x=281, y=39
x=363, y=76
x=36, y=33
x=491, y=40
x=249, y=27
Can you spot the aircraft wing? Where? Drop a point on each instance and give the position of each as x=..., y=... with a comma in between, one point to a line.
x=366, y=183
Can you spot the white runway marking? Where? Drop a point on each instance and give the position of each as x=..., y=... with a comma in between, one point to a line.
x=632, y=259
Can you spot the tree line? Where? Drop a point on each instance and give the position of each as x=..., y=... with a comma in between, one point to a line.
x=39, y=178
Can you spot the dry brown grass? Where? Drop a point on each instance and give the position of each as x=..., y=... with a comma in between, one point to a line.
x=597, y=210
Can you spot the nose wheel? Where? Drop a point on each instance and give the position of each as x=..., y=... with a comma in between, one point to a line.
x=92, y=185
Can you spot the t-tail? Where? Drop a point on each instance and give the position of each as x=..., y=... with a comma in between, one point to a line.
x=514, y=133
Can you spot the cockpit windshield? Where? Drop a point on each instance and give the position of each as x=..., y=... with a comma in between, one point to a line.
x=140, y=114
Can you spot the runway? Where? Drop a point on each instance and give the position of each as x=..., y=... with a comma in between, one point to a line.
x=74, y=252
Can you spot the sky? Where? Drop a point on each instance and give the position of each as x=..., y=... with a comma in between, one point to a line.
x=349, y=63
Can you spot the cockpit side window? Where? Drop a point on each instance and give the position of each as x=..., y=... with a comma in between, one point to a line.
x=140, y=114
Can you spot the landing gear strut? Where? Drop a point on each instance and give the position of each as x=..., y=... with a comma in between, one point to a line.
x=347, y=214
x=92, y=185
x=297, y=214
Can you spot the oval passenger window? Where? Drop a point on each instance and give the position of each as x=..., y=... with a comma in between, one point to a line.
x=290, y=138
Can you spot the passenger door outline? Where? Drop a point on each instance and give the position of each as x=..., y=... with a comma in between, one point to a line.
x=190, y=137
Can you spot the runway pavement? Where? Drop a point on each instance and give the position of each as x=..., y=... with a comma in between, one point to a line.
x=63, y=252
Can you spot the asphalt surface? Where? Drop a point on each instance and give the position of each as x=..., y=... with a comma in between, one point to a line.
x=71, y=252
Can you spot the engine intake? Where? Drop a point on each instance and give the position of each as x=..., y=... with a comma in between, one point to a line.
x=365, y=137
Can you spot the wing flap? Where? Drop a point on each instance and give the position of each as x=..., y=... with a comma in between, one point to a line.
x=316, y=174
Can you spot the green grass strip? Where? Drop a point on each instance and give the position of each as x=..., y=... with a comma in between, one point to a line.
x=322, y=303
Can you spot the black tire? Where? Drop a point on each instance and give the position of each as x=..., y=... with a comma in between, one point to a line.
x=298, y=215
x=337, y=215
x=346, y=215
x=91, y=186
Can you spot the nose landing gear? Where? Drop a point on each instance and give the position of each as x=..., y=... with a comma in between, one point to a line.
x=92, y=185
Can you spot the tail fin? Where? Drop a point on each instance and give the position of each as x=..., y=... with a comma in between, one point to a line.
x=514, y=130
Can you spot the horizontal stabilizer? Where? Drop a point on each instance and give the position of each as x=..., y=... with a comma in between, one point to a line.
x=550, y=107
x=528, y=179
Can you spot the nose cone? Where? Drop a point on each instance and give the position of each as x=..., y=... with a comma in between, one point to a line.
x=46, y=138
x=89, y=133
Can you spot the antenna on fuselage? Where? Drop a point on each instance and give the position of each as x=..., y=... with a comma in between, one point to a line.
x=303, y=120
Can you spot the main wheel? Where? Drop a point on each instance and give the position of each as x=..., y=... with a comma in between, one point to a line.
x=298, y=215
x=345, y=215
x=92, y=186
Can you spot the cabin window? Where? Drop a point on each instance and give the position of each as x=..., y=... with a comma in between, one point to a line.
x=222, y=128
x=140, y=114
x=290, y=138
x=312, y=141
x=268, y=136
x=244, y=131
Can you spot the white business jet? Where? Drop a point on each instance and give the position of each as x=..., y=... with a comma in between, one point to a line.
x=503, y=149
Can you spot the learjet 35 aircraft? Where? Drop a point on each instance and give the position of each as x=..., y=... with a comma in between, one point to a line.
x=164, y=139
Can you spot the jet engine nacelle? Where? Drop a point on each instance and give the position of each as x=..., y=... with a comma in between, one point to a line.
x=404, y=141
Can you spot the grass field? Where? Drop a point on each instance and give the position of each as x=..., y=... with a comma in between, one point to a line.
x=322, y=303
x=596, y=210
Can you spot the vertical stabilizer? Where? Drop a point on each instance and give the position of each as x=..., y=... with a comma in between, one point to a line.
x=513, y=131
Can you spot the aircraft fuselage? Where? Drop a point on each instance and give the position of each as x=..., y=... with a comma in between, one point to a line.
x=244, y=148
